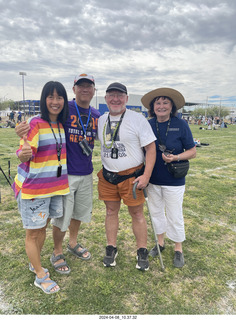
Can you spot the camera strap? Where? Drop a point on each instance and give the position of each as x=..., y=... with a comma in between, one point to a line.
x=81, y=122
x=58, y=147
x=161, y=145
x=115, y=132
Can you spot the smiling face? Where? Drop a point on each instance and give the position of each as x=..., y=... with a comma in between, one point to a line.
x=84, y=91
x=55, y=104
x=116, y=102
x=162, y=108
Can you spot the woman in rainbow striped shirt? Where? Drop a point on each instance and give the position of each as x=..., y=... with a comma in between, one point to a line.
x=41, y=178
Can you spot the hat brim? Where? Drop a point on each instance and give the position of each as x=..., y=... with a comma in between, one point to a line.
x=84, y=79
x=175, y=95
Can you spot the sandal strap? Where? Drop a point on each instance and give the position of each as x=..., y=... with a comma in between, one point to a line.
x=51, y=286
x=83, y=250
x=76, y=247
x=58, y=257
x=40, y=280
x=43, y=280
x=60, y=265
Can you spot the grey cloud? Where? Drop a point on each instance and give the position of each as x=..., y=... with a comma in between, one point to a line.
x=142, y=43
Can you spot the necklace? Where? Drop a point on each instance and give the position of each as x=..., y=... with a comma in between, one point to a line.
x=115, y=132
x=58, y=147
x=162, y=147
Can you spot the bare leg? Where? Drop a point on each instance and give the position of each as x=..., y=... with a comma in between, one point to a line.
x=160, y=238
x=58, y=237
x=112, y=221
x=139, y=225
x=74, y=230
x=33, y=244
x=178, y=246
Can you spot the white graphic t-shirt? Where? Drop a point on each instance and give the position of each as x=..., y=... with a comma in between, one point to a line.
x=133, y=134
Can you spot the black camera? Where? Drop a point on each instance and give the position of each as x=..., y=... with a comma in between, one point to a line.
x=114, y=153
x=87, y=150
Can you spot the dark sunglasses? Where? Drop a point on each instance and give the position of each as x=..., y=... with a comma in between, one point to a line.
x=163, y=149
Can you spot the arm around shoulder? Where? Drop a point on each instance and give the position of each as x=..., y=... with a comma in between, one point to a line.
x=22, y=129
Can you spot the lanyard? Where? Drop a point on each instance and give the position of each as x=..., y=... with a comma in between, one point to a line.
x=115, y=132
x=58, y=147
x=158, y=132
x=81, y=122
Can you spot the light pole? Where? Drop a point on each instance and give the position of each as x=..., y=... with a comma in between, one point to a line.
x=96, y=97
x=23, y=74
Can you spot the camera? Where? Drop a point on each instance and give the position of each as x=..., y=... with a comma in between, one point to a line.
x=114, y=153
x=87, y=150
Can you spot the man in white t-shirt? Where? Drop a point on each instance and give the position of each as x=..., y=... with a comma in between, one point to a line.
x=124, y=135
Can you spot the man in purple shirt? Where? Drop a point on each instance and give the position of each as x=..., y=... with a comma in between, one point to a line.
x=80, y=131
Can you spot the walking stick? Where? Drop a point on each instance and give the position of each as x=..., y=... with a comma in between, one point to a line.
x=146, y=198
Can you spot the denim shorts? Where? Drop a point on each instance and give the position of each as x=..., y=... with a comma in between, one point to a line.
x=36, y=212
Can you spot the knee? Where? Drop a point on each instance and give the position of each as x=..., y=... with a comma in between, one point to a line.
x=111, y=212
x=112, y=208
x=34, y=234
x=138, y=216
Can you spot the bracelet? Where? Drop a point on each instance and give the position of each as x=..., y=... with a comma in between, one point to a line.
x=178, y=158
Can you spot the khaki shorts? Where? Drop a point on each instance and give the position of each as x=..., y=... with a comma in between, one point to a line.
x=124, y=190
x=78, y=203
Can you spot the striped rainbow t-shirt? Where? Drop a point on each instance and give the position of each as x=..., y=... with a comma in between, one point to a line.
x=37, y=178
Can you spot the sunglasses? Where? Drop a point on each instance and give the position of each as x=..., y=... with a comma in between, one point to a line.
x=163, y=149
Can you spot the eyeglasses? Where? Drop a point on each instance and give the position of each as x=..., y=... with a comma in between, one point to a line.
x=118, y=95
x=85, y=85
x=163, y=149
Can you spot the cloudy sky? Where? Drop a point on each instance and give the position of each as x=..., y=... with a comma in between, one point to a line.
x=145, y=44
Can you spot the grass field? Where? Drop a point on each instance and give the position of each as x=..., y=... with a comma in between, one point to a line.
x=205, y=285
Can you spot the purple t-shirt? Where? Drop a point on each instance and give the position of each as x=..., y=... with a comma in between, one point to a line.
x=78, y=163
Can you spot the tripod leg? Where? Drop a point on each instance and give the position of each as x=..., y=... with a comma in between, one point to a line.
x=5, y=176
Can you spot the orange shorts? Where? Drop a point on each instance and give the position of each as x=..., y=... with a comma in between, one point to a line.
x=124, y=190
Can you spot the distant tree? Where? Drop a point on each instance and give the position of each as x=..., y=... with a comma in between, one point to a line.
x=8, y=104
x=224, y=112
x=214, y=111
x=198, y=112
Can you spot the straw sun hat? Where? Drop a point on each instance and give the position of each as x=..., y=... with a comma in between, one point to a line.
x=175, y=95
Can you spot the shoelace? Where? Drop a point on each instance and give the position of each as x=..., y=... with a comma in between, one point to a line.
x=178, y=255
x=143, y=254
x=110, y=249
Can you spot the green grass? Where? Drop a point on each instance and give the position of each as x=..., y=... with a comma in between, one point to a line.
x=205, y=285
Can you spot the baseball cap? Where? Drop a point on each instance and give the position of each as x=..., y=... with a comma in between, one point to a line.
x=117, y=86
x=84, y=76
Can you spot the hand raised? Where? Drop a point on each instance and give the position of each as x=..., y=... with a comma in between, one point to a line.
x=26, y=151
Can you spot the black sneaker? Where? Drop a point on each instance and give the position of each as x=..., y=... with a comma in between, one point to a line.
x=142, y=257
x=153, y=252
x=111, y=254
x=178, y=259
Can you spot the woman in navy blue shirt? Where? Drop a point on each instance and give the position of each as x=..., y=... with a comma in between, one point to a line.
x=165, y=192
